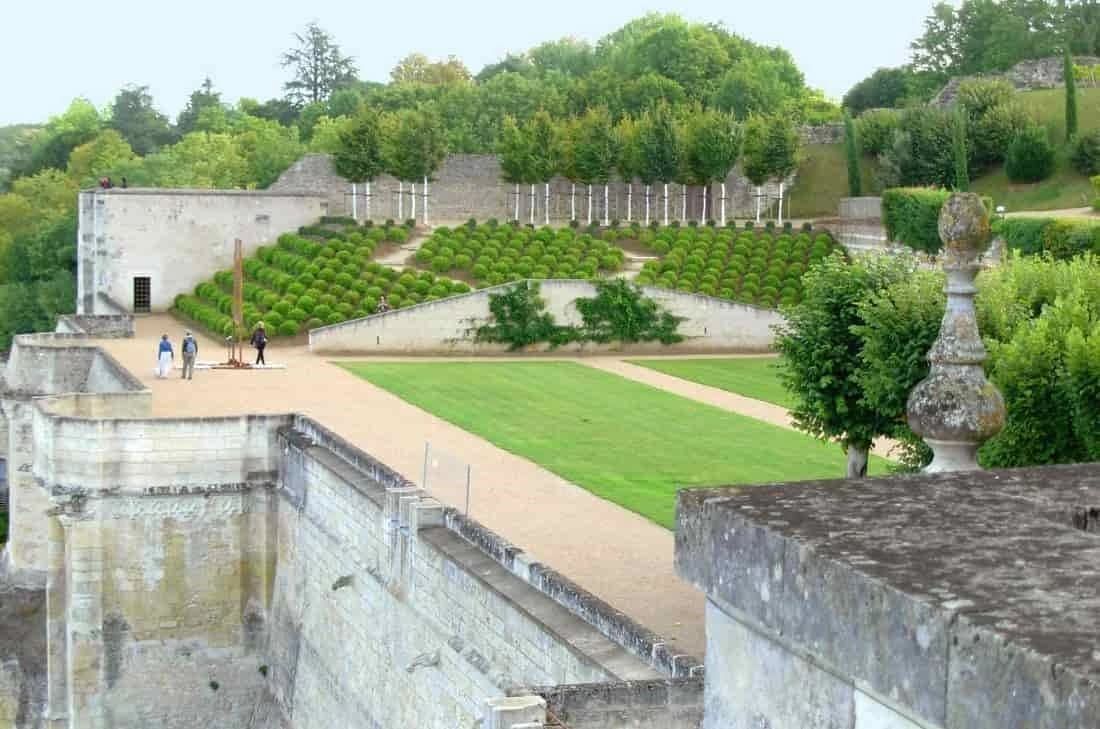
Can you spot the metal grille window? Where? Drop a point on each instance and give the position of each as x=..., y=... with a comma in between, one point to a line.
x=141, y=294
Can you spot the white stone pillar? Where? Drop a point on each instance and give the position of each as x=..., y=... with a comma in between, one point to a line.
x=511, y=712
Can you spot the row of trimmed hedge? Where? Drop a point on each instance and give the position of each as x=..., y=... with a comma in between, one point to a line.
x=1061, y=238
x=912, y=216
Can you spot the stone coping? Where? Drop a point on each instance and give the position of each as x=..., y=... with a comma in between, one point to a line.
x=197, y=192
x=953, y=593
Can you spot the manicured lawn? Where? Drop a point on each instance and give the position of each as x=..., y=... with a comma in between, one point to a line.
x=623, y=441
x=754, y=377
x=1064, y=189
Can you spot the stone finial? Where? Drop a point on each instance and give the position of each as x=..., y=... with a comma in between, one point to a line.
x=956, y=409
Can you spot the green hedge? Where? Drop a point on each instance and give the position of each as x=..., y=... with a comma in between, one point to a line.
x=1096, y=191
x=1061, y=238
x=912, y=216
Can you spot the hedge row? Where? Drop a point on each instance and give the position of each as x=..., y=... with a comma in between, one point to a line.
x=1061, y=238
x=912, y=216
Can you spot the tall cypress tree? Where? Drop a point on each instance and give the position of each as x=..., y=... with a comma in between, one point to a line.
x=959, y=151
x=1071, y=95
x=851, y=146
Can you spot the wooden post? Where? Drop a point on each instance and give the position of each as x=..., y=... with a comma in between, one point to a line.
x=238, y=297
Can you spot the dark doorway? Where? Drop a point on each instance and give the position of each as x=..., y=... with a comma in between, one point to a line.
x=142, y=295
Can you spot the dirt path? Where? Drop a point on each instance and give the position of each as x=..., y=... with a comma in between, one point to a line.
x=618, y=555
x=724, y=399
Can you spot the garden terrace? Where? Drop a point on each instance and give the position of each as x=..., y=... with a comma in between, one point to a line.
x=323, y=275
x=752, y=266
x=490, y=254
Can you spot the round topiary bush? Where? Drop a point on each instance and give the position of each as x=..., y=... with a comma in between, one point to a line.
x=322, y=311
x=1030, y=157
x=1086, y=153
x=272, y=319
x=283, y=307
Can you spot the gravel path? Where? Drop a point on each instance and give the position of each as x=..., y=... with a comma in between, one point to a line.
x=618, y=555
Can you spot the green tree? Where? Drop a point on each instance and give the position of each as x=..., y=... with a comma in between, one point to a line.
x=418, y=68
x=594, y=150
x=712, y=145
x=851, y=149
x=771, y=151
x=514, y=152
x=51, y=146
x=959, y=150
x=414, y=145
x=1071, y=95
x=884, y=89
x=358, y=156
x=318, y=66
x=661, y=150
x=629, y=162
x=139, y=123
x=98, y=158
x=545, y=143
x=821, y=354
x=326, y=134
x=267, y=147
x=201, y=98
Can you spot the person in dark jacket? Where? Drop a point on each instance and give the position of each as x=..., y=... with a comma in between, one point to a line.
x=190, y=349
x=259, y=341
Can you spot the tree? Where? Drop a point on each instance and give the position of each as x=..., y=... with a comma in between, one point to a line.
x=820, y=353
x=318, y=65
x=358, y=156
x=545, y=157
x=851, y=149
x=595, y=153
x=133, y=116
x=267, y=147
x=661, y=151
x=1071, y=95
x=99, y=157
x=753, y=87
x=202, y=98
x=885, y=88
x=771, y=152
x=414, y=145
x=712, y=144
x=418, y=68
x=52, y=145
x=514, y=152
x=629, y=161
x=959, y=150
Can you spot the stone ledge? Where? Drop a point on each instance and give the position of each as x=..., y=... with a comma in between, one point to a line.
x=970, y=598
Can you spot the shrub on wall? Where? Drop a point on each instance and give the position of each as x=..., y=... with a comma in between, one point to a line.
x=1030, y=157
x=875, y=130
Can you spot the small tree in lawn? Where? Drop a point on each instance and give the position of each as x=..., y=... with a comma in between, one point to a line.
x=515, y=160
x=659, y=142
x=629, y=162
x=595, y=153
x=1070, y=76
x=359, y=155
x=569, y=130
x=959, y=150
x=544, y=142
x=852, y=151
x=712, y=144
x=754, y=155
x=415, y=147
x=821, y=353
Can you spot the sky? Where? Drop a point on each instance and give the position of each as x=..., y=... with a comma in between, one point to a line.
x=56, y=51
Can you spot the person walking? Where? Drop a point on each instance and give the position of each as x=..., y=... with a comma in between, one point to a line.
x=164, y=357
x=383, y=305
x=259, y=341
x=190, y=349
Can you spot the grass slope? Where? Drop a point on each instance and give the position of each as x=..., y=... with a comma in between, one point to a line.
x=626, y=442
x=823, y=180
x=754, y=377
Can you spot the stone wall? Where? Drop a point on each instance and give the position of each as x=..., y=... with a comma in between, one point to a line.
x=260, y=572
x=470, y=186
x=1030, y=75
x=894, y=603
x=176, y=238
x=446, y=325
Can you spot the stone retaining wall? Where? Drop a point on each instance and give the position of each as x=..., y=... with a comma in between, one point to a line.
x=447, y=325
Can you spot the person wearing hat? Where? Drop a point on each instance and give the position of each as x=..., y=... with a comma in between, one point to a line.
x=190, y=349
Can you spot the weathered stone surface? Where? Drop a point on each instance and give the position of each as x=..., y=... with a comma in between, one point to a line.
x=889, y=582
x=22, y=655
x=956, y=409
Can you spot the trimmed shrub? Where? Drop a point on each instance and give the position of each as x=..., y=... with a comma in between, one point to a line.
x=1061, y=238
x=875, y=130
x=912, y=215
x=1086, y=153
x=288, y=328
x=993, y=132
x=1030, y=157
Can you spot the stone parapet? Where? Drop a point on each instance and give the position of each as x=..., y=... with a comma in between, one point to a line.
x=961, y=601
